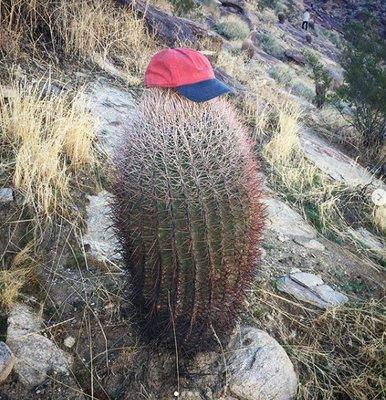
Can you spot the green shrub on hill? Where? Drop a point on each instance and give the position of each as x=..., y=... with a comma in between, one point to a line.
x=282, y=74
x=271, y=45
x=363, y=59
x=232, y=28
x=182, y=7
x=321, y=77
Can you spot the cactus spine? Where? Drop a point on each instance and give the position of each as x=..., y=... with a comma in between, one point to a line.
x=188, y=214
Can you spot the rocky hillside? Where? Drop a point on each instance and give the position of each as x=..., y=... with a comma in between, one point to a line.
x=71, y=77
x=334, y=14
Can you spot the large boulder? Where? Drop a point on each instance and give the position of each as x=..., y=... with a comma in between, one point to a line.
x=36, y=355
x=295, y=56
x=258, y=368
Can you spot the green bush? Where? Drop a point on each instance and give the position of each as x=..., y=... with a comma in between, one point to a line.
x=232, y=28
x=301, y=89
x=270, y=45
x=331, y=36
x=182, y=7
x=321, y=77
x=282, y=74
x=363, y=59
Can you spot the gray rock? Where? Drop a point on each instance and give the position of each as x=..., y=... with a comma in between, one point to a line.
x=307, y=279
x=7, y=361
x=368, y=240
x=112, y=106
x=310, y=244
x=296, y=56
x=285, y=221
x=258, y=368
x=334, y=163
x=100, y=236
x=190, y=395
x=36, y=355
x=311, y=289
x=6, y=195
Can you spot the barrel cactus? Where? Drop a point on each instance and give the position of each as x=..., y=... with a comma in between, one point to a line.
x=188, y=215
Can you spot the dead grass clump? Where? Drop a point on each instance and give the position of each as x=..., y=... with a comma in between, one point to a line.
x=96, y=27
x=89, y=30
x=14, y=278
x=47, y=140
x=339, y=352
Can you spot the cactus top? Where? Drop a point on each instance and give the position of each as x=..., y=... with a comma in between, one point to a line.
x=186, y=70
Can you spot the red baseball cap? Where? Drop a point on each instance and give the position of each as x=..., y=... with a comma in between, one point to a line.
x=186, y=70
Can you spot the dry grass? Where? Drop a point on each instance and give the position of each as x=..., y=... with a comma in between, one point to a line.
x=47, y=141
x=14, y=278
x=339, y=352
x=276, y=120
x=88, y=30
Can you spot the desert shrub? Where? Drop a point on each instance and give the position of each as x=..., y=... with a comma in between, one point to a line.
x=47, y=140
x=182, y=7
x=234, y=65
x=188, y=213
x=321, y=77
x=331, y=36
x=270, y=45
x=363, y=60
x=301, y=89
x=282, y=74
x=232, y=28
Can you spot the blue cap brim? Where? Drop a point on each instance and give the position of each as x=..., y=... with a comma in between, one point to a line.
x=203, y=91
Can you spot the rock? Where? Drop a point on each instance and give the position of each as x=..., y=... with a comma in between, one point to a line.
x=309, y=38
x=248, y=48
x=169, y=28
x=112, y=106
x=307, y=279
x=310, y=244
x=334, y=163
x=69, y=342
x=7, y=361
x=285, y=221
x=6, y=195
x=190, y=395
x=258, y=368
x=281, y=18
x=100, y=236
x=296, y=57
x=36, y=355
x=368, y=240
x=311, y=289
x=238, y=6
